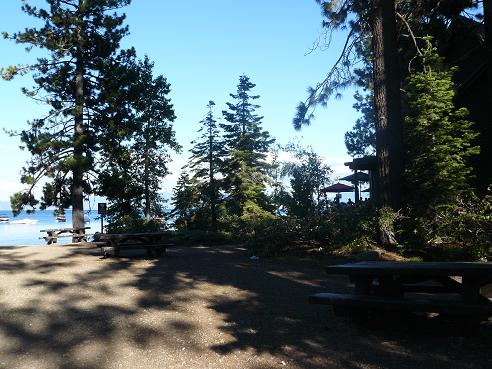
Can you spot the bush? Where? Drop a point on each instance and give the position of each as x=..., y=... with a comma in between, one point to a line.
x=273, y=236
x=467, y=224
x=461, y=230
x=129, y=224
x=198, y=236
x=347, y=226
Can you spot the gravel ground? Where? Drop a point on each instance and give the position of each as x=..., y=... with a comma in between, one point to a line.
x=202, y=307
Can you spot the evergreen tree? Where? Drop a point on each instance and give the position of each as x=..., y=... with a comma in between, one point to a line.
x=308, y=175
x=186, y=201
x=372, y=30
x=247, y=144
x=276, y=174
x=439, y=138
x=361, y=140
x=81, y=39
x=132, y=177
x=205, y=162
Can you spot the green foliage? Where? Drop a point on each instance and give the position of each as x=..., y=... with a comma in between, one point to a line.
x=347, y=224
x=275, y=235
x=81, y=40
x=21, y=199
x=205, y=162
x=198, y=236
x=438, y=139
x=355, y=18
x=386, y=226
x=133, y=224
x=443, y=210
x=361, y=140
x=308, y=175
x=246, y=145
x=347, y=228
x=244, y=226
x=461, y=230
x=186, y=202
x=137, y=155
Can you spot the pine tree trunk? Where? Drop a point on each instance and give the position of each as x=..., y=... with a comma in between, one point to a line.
x=485, y=147
x=213, y=200
x=78, y=137
x=389, y=140
x=146, y=180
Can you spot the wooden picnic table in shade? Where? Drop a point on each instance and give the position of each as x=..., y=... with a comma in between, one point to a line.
x=77, y=234
x=439, y=287
x=153, y=242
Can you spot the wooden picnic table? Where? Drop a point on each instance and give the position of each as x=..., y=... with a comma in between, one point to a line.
x=77, y=234
x=151, y=241
x=438, y=287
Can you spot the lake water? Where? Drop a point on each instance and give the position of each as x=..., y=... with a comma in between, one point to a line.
x=28, y=234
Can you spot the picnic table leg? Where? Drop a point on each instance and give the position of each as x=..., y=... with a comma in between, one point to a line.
x=78, y=236
x=390, y=286
x=470, y=294
x=362, y=284
x=470, y=290
x=53, y=237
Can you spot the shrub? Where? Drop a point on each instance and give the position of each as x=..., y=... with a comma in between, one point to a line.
x=273, y=236
x=466, y=223
x=129, y=224
x=461, y=230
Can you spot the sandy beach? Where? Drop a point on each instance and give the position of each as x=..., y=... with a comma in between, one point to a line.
x=201, y=307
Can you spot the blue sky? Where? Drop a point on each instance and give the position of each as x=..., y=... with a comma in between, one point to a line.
x=202, y=48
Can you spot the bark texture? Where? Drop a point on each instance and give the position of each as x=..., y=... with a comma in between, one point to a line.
x=389, y=125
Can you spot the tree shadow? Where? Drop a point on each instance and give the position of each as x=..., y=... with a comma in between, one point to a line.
x=202, y=305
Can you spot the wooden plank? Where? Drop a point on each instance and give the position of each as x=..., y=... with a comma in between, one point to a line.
x=401, y=304
x=427, y=288
x=64, y=229
x=139, y=245
x=65, y=236
x=110, y=236
x=479, y=269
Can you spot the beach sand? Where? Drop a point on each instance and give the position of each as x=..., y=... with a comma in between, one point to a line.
x=201, y=307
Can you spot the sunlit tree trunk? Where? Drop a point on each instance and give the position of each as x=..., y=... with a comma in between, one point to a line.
x=213, y=198
x=78, y=139
x=147, y=199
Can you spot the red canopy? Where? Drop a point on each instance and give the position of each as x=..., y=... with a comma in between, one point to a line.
x=338, y=187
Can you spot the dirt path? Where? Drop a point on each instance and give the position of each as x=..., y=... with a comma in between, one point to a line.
x=199, y=307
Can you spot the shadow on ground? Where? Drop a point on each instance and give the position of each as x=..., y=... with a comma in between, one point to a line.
x=201, y=307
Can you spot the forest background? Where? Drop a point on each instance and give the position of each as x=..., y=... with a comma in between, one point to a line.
x=110, y=132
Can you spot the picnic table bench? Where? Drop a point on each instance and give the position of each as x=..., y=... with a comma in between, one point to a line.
x=77, y=234
x=152, y=242
x=451, y=288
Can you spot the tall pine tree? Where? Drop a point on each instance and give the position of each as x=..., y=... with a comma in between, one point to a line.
x=132, y=176
x=247, y=144
x=206, y=161
x=439, y=138
x=81, y=39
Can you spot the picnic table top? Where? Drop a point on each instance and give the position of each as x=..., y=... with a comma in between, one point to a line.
x=480, y=269
x=64, y=229
x=130, y=235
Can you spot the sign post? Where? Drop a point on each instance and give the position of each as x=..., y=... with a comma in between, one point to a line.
x=102, y=211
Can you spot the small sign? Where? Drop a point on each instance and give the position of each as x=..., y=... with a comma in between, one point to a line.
x=101, y=208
